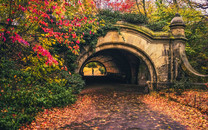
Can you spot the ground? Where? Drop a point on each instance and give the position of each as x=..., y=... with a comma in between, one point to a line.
x=121, y=107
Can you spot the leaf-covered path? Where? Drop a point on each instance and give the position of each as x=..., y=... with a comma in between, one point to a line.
x=111, y=107
x=121, y=108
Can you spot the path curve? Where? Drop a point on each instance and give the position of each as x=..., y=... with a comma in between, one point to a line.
x=120, y=107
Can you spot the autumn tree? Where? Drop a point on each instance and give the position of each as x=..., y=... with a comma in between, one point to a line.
x=34, y=34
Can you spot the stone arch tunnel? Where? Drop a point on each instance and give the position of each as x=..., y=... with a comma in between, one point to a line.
x=121, y=66
x=137, y=55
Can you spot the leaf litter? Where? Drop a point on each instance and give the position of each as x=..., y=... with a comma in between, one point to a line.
x=120, y=108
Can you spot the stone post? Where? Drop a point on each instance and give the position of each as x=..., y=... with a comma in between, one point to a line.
x=178, y=39
x=177, y=26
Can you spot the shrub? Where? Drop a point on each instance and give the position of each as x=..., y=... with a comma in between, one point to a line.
x=110, y=16
x=156, y=26
x=73, y=81
x=135, y=18
x=181, y=84
x=114, y=16
x=21, y=98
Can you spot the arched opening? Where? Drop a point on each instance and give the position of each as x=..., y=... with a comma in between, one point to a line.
x=94, y=68
x=121, y=66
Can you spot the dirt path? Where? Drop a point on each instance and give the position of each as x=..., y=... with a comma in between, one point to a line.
x=120, y=107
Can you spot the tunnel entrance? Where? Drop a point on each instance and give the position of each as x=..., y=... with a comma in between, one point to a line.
x=115, y=66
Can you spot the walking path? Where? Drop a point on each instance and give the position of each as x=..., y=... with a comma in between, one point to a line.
x=120, y=107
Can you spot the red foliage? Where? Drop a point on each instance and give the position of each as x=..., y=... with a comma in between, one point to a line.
x=118, y=5
x=40, y=50
x=39, y=15
x=18, y=38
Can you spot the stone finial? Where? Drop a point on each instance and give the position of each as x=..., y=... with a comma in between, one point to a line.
x=177, y=26
x=177, y=21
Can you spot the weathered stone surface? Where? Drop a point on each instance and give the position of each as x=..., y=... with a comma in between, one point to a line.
x=147, y=49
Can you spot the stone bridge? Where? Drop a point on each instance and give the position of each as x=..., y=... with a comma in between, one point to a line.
x=139, y=56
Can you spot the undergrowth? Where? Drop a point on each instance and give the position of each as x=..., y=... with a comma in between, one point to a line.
x=22, y=95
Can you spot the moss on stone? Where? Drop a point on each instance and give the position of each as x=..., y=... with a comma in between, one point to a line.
x=147, y=31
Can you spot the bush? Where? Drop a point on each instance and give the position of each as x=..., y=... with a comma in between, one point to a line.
x=102, y=70
x=19, y=107
x=135, y=18
x=114, y=16
x=110, y=16
x=74, y=81
x=21, y=98
x=180, y=85
x=156, y=26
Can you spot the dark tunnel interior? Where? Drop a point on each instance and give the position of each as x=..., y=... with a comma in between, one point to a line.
x=119, y=66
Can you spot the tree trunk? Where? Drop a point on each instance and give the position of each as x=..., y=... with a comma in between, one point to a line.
x=138, y=6
x=144, y=7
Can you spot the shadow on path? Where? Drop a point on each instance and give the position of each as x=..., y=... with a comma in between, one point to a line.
x=120, y=107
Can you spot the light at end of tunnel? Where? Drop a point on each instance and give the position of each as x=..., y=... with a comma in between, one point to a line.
x=94, y=69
